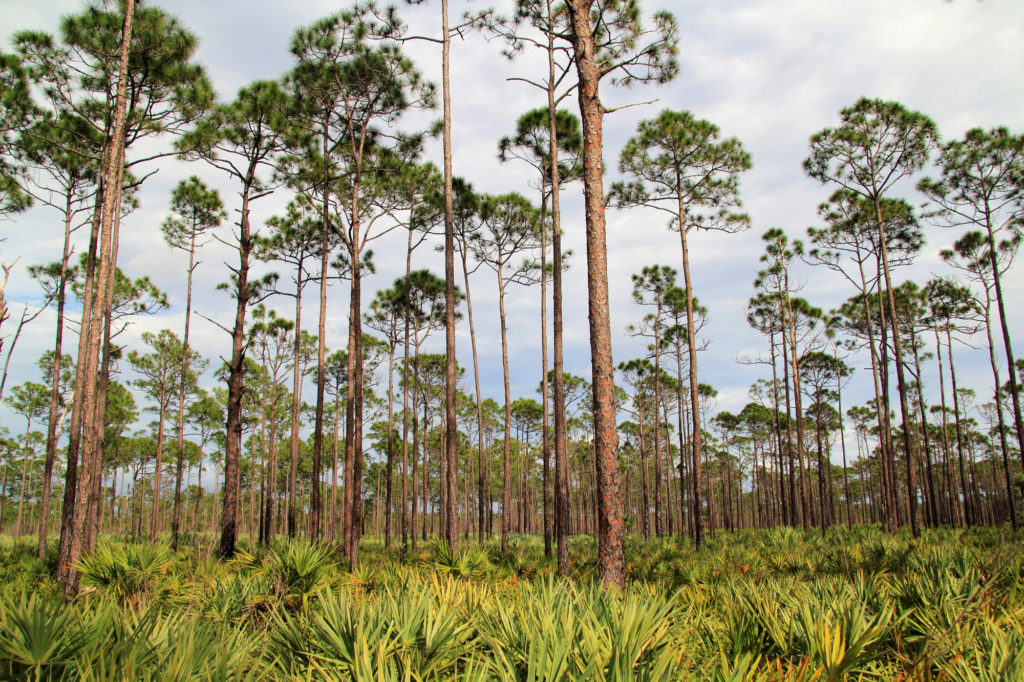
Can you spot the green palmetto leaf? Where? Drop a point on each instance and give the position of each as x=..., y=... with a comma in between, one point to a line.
x=38, y=637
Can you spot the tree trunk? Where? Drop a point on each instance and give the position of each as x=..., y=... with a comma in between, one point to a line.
x=999, y=414
x=155, y=515
x=969, y=510
x=451, y=440
x=479, y=405
x=611, y=531
x=176, y=518
x=900, y=378
x=561, y=492
x=506, y=495
x=545, y=442
x=1018, y=420
x=795, y=364
x=293, y=445
x=691, y=344
x=112, y=179
x=933, y=509
x=233, y=423
x=954, y=504
x=391, y=448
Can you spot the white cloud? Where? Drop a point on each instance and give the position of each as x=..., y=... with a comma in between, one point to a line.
x=768, y=72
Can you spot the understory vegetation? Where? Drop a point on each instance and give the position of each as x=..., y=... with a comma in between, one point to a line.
x=779, y=604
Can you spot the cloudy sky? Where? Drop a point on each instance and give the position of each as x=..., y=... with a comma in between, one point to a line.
x=769, y=72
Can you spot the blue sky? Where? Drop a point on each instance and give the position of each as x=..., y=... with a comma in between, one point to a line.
x=770, y=72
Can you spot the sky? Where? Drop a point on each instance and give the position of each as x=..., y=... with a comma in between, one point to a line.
x=768, y=72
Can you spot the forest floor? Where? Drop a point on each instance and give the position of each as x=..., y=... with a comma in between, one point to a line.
x=777, y=604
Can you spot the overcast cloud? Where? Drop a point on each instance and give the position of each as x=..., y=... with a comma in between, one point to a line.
x=770, y=73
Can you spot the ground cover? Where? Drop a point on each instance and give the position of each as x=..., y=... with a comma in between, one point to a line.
x=779, y=604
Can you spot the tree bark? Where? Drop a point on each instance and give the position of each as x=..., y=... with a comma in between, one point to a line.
x=611, y=530
x=176, y=517
x=900, y=378
x=104, y=279
x=506, y=494
x=51, y=429
x=451, y=439
x=561, y=492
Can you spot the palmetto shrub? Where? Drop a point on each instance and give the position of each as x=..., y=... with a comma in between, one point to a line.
x=299, y=569
x=771, y=605
x=127, y=571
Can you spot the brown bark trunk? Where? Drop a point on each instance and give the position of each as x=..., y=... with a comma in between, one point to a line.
x=293, y=444
x=506, y=495
x=233, y=422
x=933, y=511
x=353, y=389
x=155, y=512
x=999, y=417
x=51, y=429
x=481, y=478
x=176, y=517
x=969, y=509
x=451, y=440
x=104, y=278
x=561, y=492
x=545, y=438
x=900, y=379
x=1018, y=419
x=391, y=448
x=691, y=343
x=795, y=364
x=611, y=532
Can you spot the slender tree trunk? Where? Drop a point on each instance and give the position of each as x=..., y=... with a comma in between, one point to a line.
x=957, y=502
x=822, y=502
x=52, y=424
x=451, y=439
x=659, y=528
x=155, y=512
x=98, y=440
x=888, y=497
x=479, y=404
x=786, y=509
x=691, y=343
x=645, y=505
x=680, y=430
x=795, y=362
x=561, y=492
x=789, y=429
x=176, y=518
x=272, y=500
x=293, y=444
x=900, y=378
x=83, y=386
x=1018, y=420
x=405, y=410
x=930, y=479
x=842, y=441
x=545, y=437
x=415, y=440
x=24, y=474
x=506, y=495
x=356, y=524
x=334, y=474
x=112, y=179
x=391, y=445
x=969, y=509
x=233, y=423
x=352, y=389
x=611, y=530
x=1012, y=507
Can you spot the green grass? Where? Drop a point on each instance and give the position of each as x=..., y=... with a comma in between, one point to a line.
x=753, y=605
